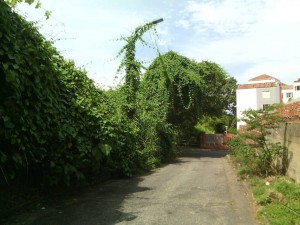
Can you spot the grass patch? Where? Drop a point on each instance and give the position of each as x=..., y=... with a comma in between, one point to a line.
x=244, y=170
x=278, y=199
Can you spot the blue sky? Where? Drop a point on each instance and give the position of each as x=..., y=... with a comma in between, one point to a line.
x=246, y=37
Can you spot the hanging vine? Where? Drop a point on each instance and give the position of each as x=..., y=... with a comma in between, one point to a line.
x=132, y=66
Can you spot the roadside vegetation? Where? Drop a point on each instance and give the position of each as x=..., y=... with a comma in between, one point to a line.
x=263, y=165
x=58, y=130
x=278, y=200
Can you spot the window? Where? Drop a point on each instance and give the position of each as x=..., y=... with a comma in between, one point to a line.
x=266, y=94
x=289, y=94
x=265, y=106
x=297, y=88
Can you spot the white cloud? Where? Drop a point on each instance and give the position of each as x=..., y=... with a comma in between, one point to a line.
x=266, y=42
x=225, y=17
x=249, y=37
x=282, y=12
x=183, y=23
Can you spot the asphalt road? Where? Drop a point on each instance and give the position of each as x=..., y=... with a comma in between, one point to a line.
x=199, y=188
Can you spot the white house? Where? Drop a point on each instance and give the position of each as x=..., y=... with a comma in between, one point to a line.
x=287, y=92
x=261, y=91
x=296, y=87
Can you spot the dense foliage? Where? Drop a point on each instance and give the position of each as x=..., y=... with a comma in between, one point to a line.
x=219, y=95
x=57, y=128
x=219, y=100
x=191, y=92
x=56, y=125
x=175, y=82
x=217, y=125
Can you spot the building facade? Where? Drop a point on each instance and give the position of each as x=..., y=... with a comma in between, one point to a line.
x=296, y=89
x=263, y=91
x=287, y=92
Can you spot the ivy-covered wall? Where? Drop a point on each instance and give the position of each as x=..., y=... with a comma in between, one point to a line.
x=55, y=125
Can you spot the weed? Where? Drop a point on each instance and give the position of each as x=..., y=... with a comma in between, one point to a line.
x=279, y=200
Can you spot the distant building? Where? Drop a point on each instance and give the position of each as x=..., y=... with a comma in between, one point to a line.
x=296, y=88
x=287, y=92
x=263, y=91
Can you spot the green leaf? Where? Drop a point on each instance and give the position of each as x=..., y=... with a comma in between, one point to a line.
x=47, y=14
x=3, y=157
x=69, y=169
x=7, y=122
x=29, y=1
x=10, y=56
x=11, y=76
x=5, y=66
x=17, y=158
x=106, y=149
x=15, y=66
x=38, y=5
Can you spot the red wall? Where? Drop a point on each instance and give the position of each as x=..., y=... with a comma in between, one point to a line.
x=206, y=141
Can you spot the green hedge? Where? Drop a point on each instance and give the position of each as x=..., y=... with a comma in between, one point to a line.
x=56, y=127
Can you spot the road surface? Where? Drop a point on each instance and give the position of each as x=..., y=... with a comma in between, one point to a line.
x=198, y=188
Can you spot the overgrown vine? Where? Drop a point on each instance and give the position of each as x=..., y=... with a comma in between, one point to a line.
x=58, y=129
x=132, y=67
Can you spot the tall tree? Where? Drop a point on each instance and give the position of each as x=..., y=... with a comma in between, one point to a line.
x=190, y=89
x=220, y=90
x=182, y=88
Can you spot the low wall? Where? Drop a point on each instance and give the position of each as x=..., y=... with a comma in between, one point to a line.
x=290, y=112
x=214, y=141
x=288, y=134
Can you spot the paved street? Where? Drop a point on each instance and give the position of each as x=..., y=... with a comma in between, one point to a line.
x=199, y=188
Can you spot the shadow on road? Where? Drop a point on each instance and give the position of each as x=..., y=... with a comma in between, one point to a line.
x=99, y=204
x=189, y=154
x=203, y=153
x=103, y=204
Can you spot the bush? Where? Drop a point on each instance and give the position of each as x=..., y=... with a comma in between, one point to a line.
x=252, y=147
x=243, y=153
x=56, y=127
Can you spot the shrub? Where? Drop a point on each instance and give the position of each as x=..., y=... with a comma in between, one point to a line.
x=253, y=149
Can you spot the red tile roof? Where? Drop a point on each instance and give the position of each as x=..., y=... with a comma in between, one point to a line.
x=263, y=77
x=290, y=112
x=258, y=85
x=286, y=87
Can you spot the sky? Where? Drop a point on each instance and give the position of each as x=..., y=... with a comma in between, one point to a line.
x=245, y=37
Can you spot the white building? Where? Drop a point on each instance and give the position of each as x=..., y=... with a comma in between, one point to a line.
x=287, y=92
x=296, y=87
x=261, y=91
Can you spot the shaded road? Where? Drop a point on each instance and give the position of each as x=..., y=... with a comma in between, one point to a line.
x=199, y=188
